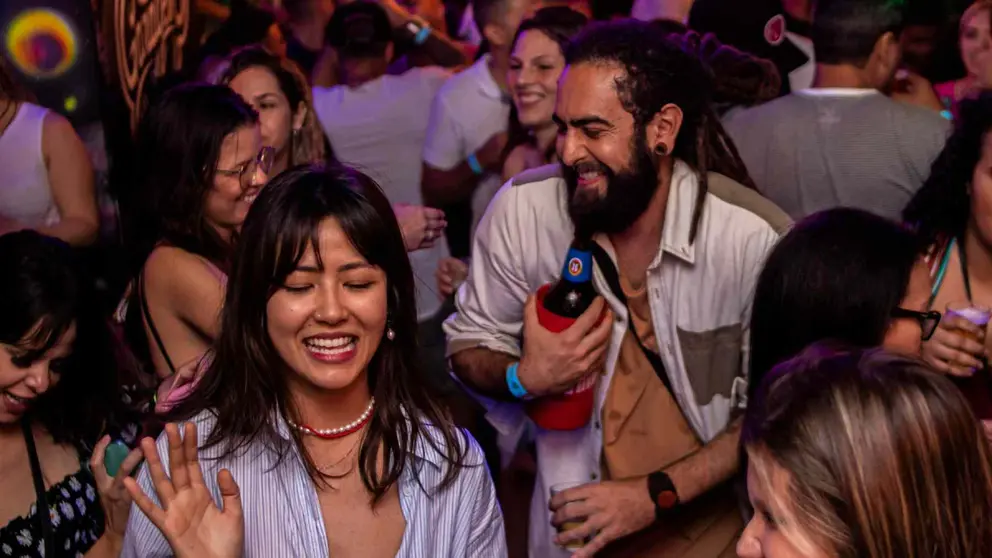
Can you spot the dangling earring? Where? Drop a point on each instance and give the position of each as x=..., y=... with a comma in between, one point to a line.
x=390, y=334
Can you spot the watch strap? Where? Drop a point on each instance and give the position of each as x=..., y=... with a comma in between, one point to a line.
x=663, y=493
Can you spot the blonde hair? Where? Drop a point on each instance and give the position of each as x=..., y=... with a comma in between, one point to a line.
x=308, y=145
x=884, y=456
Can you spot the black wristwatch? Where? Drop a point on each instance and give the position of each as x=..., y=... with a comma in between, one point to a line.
x=663, y=493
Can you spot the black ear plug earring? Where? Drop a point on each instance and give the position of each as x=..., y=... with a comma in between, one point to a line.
x=661, y=149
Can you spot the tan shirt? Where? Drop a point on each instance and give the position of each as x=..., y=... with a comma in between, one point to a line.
x=645, y=431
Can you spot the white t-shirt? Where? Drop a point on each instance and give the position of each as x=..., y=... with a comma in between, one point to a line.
x=379, y=129
x=468, y=110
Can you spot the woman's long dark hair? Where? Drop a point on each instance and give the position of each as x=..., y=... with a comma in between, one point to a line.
x=177, y=148
x=45, y=292
x=660, y=71
x=837, y=274
x=941, y=209
x=560, y=24
x=246, y=382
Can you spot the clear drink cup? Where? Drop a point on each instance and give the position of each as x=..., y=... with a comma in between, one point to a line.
x=569, y=525
x=973, y=313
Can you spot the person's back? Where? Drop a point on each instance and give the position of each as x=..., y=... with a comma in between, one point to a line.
x=377, y=122
x=842, y=142
x=379, y=127
x=822, y=148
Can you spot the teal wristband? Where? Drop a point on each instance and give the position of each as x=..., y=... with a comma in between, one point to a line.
x=422, y=35
x=473, y=163
x=947, y=114
x=513, y=382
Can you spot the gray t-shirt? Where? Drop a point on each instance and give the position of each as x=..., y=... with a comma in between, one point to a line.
x=821, y=148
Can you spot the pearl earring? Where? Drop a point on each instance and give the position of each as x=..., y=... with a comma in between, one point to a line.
x=390, y=334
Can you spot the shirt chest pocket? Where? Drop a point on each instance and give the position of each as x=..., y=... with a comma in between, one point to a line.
x=712, y=360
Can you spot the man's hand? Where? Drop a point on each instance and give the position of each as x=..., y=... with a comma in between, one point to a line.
x=450, y=274
x=554, y=362
x=914, y=89
x=608, y=510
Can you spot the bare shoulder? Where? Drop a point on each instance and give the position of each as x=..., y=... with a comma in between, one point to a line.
x=171, y=266
x=58, y=135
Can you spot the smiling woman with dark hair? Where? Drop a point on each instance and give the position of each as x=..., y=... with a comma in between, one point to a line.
x=316, y=382
x=59, y=392
x=200, y=164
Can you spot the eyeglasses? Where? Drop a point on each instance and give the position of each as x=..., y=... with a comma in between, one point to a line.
x=928, y=320
x=246, y=171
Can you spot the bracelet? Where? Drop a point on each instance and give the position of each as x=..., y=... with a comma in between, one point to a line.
x=513, y=382
x=475, y=165
x=947, y=114
x=422, y=35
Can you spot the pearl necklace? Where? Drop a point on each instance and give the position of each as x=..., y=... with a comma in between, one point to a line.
x=340, y=431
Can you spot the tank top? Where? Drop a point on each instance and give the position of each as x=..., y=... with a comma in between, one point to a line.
x=25, y=194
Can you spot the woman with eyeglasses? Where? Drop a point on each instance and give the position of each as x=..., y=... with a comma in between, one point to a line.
x=200, y=165
x=279, y=92
x=841, y=274
x=953, y=214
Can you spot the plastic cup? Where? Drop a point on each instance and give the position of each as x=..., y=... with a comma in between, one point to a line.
x=569, y=525
x=976, y=314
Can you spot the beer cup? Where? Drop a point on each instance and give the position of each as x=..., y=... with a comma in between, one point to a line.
x=977, y=389
x=569, y=525
x=974, y=313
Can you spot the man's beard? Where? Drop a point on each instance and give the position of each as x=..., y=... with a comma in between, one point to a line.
x=628, y=193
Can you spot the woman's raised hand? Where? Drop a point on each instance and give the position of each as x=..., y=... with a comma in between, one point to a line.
x=188, y=517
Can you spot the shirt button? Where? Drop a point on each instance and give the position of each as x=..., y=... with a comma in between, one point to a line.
x=593, y=476
x=597, y=425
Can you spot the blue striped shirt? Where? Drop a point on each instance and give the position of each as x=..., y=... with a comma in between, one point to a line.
x=283, y=518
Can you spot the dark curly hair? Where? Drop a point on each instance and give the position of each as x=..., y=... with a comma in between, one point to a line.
x=660, y=72
x=941, y=209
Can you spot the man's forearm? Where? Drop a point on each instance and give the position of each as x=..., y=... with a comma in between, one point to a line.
x=445, y=187
x=484, y=371
x=712, y=465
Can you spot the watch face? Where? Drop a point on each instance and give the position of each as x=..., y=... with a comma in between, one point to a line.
x=666, y=499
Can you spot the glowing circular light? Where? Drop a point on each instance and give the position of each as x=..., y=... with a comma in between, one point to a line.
x=71, y=103
x=41, y=43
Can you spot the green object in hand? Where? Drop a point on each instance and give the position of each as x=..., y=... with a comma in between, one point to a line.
x=114, y=457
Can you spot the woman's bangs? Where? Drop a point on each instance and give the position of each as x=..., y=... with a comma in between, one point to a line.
x=45, y=335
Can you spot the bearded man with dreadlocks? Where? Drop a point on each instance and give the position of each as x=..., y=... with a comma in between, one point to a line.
x=646, y=170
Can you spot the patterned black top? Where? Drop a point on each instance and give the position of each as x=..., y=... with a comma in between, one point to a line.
x=74, y=511
x=76, y=516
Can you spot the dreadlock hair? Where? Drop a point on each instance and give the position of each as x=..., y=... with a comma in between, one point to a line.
x=658, y=72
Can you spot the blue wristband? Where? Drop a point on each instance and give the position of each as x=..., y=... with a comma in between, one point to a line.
x=473, y=163
x=947, y=114
x=422, y=35
x=513, y=382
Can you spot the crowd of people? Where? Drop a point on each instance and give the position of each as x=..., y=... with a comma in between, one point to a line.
x=336, y=227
